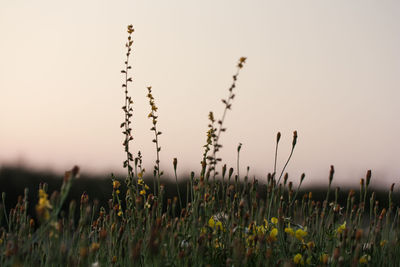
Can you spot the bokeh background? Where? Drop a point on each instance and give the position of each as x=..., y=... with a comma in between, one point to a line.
x=328, y=69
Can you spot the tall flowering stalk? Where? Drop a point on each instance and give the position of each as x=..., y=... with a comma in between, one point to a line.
x=127, y=108
x=153, y=116
x=216, y=133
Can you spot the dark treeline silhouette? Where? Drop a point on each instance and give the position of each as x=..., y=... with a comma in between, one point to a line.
x=14, y=180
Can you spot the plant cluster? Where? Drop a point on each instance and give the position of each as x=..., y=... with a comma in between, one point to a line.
x=224, y=221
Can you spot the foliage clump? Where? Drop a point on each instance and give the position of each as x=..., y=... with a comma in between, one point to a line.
x=224, y=221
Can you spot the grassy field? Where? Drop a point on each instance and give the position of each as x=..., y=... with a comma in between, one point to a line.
x=219, y=219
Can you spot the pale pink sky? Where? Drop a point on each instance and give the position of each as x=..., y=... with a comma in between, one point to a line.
x=328, y=69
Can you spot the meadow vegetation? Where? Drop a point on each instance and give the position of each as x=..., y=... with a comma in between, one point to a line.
x=222, y=219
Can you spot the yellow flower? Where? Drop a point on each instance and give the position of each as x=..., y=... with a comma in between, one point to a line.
x=298, y=259
x=218, y=244
x=42, y=193
x=266, y=223
x=116, y=184
x=324, y=258
x=218, y=225
x=140, y=181
x=117, y=191
x=308, y=261
x=146, y=187
x=215, y=224
x=142, y=192
x=43, y=206
x=341, y=228
x=364, y=259
x=120, y=213
x=383, y=243
x=211, y=222
x=311, y=245
x=273, y=234
x=140, y=175
x=289, y=231
x=300, y=234
x=261, y=229
x=43, y=201
x=274, y=220
x=250, y=241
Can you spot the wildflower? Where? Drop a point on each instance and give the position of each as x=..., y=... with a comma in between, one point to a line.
x=273, y=234
x=289, y=231
x=383, y=243
x=261, y=229
x=218, y=244
x=117, y=191
x=308, y=261
x=119, y=211
x=146, y=187
x=130, y=29
x=142, y=192
x=116, y=184
x=364, y=259
x=242, y=60
x=43, y=206
x=218, y=225
x=298, y=259
x=341, y=228
x=43, y=201
x=266, y=223
x=311, y=245
x=140, y=181
x=250, y=241
x=274, y=220
x=211, y=222
x=300, y=234
x=324, y=258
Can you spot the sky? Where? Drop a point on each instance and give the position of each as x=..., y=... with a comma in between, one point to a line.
x=328, y=69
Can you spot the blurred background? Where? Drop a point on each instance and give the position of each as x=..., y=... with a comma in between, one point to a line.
x=329, y=70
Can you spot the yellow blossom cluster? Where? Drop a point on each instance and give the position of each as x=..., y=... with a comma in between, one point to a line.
x=141, y=183
x=215, y=224
x=43, y=206
x=116, y=185
x=300, y=234
x=341, y=228
x=364, y=259
x=298, y=259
